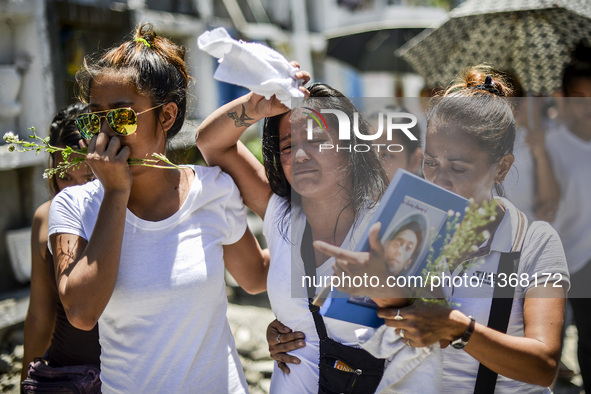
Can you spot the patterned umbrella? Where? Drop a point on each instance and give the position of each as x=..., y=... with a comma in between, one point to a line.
x=532, y=38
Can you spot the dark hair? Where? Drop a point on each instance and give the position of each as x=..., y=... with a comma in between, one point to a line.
x=579, y=67
x=62, y=133
x=368, y=178
x=416, y=228
x=154, y=65
x=512, y=80
x=477, y=104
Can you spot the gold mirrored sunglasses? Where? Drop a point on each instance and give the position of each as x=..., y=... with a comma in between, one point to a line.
x=122, y=121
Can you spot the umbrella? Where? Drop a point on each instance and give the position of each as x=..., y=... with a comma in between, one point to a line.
x=532, y=38
x=372, y=50
x=372, y=46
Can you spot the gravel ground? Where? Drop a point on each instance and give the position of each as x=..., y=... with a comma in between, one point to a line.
x=248, y=324
x=11, y=357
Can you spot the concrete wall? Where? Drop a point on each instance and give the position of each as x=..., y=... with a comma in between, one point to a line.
x=25, y=46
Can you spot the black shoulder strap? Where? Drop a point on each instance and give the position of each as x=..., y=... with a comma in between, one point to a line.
x=500, y=311
x=307, y=253
x=502, y=302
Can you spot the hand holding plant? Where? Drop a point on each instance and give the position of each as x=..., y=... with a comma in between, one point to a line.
x=72, y=158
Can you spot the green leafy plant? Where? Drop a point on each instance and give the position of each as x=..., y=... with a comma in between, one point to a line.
x=469, y=235
x=72, y=158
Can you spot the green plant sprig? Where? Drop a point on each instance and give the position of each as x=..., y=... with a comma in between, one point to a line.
x=469, y=234
x=73, y=158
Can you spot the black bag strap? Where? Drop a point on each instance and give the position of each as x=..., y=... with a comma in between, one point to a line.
x=307, y=253
x=500, y=311
x=502, y=303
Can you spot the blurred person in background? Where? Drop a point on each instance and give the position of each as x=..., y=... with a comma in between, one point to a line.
x=569, y=147
x=403, y=152
x=530, y=184
x=48, y=333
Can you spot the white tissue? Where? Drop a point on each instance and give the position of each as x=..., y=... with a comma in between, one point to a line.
x=254, y=66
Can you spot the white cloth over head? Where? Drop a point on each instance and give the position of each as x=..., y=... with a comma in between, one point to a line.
x=251, y=65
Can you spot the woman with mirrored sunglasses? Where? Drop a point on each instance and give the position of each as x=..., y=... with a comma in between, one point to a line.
x=142, y=250
x=48, y=334
x=123, y=121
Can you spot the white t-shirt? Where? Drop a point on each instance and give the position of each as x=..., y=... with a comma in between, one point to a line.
x=289, y=300
x=571, y=157
x=164, y=329
x=542, y=253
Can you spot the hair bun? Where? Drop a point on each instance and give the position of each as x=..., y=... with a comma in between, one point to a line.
x=145, y=34
x=489, y=86
x=478, y=79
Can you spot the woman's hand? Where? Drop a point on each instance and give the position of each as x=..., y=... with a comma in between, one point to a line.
x=532, y=358
x=426, y=322
x=281, y=340
x=363, y=265
x=108, y=160
x=263, y=108
x=218, y=140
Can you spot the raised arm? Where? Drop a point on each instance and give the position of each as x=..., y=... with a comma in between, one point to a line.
x=547, y=188
x=218, y=140
x=86, y=271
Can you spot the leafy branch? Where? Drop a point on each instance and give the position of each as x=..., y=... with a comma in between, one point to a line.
x=469, y=235
x=73, y=158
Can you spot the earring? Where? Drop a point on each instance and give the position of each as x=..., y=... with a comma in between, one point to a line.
x=500, y=189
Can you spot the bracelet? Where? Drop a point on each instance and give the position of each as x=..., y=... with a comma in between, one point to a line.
x=462, y=341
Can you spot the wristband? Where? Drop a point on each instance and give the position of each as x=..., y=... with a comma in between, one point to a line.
x=462, y=341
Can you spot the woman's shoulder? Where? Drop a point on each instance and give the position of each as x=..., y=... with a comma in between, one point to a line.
x=212, y=176
x=541, y=229
x=89, y=189
x=41, y=218
x=42, y=212
x=543, y=255
x=39, y=228
x=523, y=230
x=276, y=204
x=75, y=198
x=277, y=216
x=538, y=239
x=542, y=247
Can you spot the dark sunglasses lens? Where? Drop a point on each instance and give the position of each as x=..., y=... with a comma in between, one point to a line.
x=123, y=121
x=88, y=125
